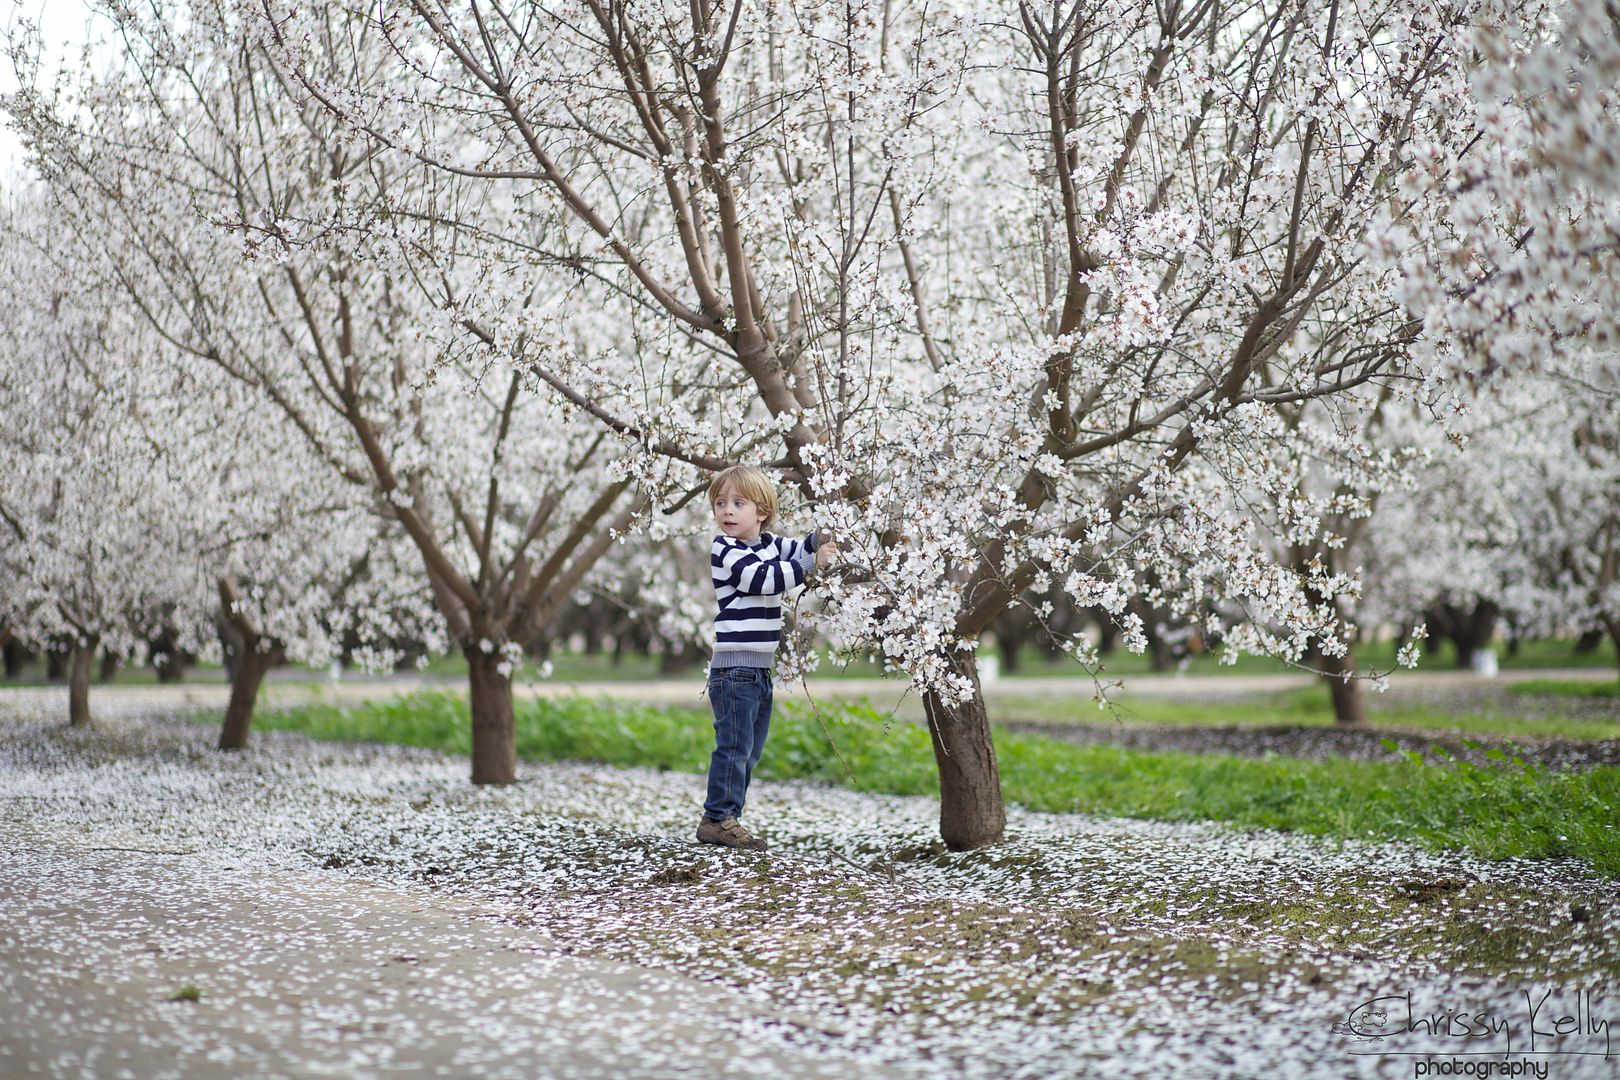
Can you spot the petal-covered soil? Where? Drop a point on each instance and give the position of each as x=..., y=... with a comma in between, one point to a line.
x=363, y=908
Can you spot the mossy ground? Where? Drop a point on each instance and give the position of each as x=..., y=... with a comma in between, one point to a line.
x=866, y=930
x=1077, y=936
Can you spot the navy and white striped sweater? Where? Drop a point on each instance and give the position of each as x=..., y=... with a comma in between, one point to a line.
x=749, y=580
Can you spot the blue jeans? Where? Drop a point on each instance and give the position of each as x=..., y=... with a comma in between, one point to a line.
x=741, y=697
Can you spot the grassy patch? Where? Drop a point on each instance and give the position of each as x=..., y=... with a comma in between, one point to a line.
x=1501, y=810
x=1505, y=810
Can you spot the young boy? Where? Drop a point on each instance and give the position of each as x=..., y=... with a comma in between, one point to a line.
x=751, y=569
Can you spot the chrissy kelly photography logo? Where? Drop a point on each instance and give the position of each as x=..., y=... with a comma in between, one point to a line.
x=1518, y=1036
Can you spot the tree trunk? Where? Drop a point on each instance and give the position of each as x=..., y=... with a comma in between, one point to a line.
x=1107, y=632
x=971, y=813
x=1158, y=650
x=1613, y=627
x=1470, y=630
x=253, y=661
x=1013, y=629
x=1159, y=658
x=596, y=622
x=15, y=657
x=678, y=656
x=1588, y=642
x=1349, y=702
x=230, y=644
x=167, y=659
x=84, y=655
x=56, y=662
x=494, y=735
x=110, y=663
x=1481, y=627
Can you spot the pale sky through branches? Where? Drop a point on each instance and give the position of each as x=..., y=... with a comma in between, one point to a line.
x=65, y=26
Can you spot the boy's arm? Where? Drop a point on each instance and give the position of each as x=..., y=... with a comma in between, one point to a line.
x=731, y=563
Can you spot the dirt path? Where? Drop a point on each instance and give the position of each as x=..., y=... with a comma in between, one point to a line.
x=300, y=973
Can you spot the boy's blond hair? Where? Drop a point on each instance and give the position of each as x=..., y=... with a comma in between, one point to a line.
x=751, y=484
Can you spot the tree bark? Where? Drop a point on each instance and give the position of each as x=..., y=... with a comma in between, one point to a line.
x=1469, y=630
x=1013, y=630
x=84, y=655
x=1481, y=627
x=596, y=622
x=230, y=644
x=254, y=660
x=168, y=661
x=494, y=734
x=1107, y=632
x=673, y=662
x=971, y=811
x=1160, y=658
x=1613, y=627
x=110, y=663
x=15, y=657
x=1349, y=702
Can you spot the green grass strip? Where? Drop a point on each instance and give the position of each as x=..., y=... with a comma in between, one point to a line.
x=1502, y=810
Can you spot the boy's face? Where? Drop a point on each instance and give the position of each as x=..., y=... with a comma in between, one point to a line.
x=738, y=517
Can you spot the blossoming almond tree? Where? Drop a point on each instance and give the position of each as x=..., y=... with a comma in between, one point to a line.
x=144, y=490
x=87, y=517
x=295, y=565
x=1017, y=293
x=1508, y=247
x=1516, y=264
x=266, y=243
x=1340, y=494
x=1565, y=481
x=1526, y=520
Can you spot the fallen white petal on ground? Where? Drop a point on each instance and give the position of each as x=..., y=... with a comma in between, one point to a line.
x=570, y=920
x=304, y=973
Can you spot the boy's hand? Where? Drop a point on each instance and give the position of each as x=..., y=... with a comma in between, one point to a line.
x=825, y=554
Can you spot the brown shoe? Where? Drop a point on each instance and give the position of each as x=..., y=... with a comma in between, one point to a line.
x=728, y=833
